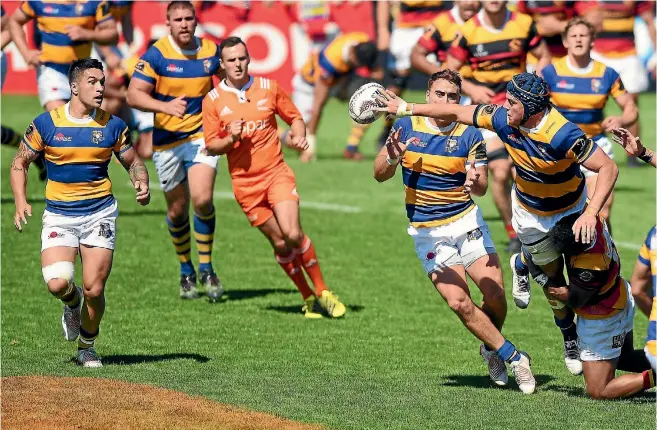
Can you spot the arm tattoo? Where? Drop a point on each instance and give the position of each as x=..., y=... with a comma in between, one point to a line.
x=23, y=158
x=138, y=172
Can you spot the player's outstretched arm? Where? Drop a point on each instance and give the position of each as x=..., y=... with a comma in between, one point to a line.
x=137, y=171
x=18, y=180
x=390, y=103
x=633, y=146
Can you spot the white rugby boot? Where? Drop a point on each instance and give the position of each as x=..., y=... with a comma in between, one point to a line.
x=88, y=358
x=496, y=367
x=521, y=289
x=571, y=357
x=522, y=371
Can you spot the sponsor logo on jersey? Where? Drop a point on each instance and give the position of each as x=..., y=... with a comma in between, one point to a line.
x=61, y=137
x=174, y=69
x=564, y=85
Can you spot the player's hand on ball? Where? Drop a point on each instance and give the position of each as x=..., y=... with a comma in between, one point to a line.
x=299, y=143
x=143, y=193
x=611, y=122
x=471, y=177
x=584, y=228
x=23, y=209
x=628, y=141
x=235, y=129
x=389, y=102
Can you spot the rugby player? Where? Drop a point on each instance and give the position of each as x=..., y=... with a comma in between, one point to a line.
x=579, y=89
x=644, y=278
x=495, y=43
x=443, y=164
x=78, y=140
x=239, y=119
x=605, y=308
x=171, y=80
x=67, y=31
x=633, y=146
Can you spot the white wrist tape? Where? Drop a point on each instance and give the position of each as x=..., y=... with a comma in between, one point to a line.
x=405, y=109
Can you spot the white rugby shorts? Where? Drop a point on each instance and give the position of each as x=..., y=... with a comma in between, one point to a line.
x=52, y=85
x=402, y=41
x=172, y=164
x=303, y=96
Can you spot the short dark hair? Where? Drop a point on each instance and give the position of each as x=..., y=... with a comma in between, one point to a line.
x=563, y=238
x=180, y=4
x=366, y=54
x=231, y=41
x=79, y=66
x=578, y=21
x=448, y=75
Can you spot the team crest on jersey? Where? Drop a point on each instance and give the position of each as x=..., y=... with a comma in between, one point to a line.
x=452, y=145
x=596, y=85
x=96, y=136
x=105, y=230
x=586, y=276
x=207, y=65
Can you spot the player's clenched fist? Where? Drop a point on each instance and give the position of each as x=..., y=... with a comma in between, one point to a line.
x=471, y=177
x=177, y=107
x=299, y=142
x=235, y=129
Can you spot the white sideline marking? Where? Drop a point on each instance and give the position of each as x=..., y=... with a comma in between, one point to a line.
x=627, y=245
x=329, y=207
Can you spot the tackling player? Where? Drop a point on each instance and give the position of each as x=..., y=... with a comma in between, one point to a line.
x=78, y=140
x=322, y=71
x=495, y=43
x=546, y=150
x=239, y=119
x=579, y=89
x=171, y=80
x=644, y=279
x=605, y=308
x=443, y=164
x=67, y=31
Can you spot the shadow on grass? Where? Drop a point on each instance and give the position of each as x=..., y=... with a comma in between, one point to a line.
x=251, y=294
x=297, y=309
x=126, y=360
x=644, y=397
x=483, y=381
x=338, y=156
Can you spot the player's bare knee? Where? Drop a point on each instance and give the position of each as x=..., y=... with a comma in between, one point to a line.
x=177, y=213
x=93, y=290
x=595, y=393
x=57, y=286
x=461, y=305
x=293, y=237
x=203, y=206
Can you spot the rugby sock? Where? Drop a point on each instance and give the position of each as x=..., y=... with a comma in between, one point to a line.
x=648, y=379
x=308, y=259
x=204, y=234
x=292, y=268
x=180, y=236
x=510, y=231
x=9, y=137
x=72, y=297
x=355, y=136
x=86, y=339
x=508, y=352
x=567, y=325
x=521, y=267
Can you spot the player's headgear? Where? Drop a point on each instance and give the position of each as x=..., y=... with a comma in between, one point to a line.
x=532, y=91
x=366, y=54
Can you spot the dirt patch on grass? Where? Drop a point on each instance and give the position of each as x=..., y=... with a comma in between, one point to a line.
x=39, y=402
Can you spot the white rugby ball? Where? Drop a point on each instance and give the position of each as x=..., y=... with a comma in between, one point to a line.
x=362, y=102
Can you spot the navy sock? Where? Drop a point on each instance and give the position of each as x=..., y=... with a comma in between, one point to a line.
x=567, y=325
x=508, y=352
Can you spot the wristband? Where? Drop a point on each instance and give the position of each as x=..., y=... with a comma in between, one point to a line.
x=644, y=156
x=405, y=109
x=392, y=161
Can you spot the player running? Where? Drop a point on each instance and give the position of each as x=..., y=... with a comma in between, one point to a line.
x=171, y=80
x=239, y=119
x=67, y=30
x=605, y=308
x=495, y=43
x=443, y=164
x=579, y=89
x=323, y=71
x=546, y=150
x=78, y=140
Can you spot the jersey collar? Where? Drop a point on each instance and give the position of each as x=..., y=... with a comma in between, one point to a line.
x=241, y=93
x=179, y=50
x=480, y=14
x=67, y=112
x=577, y=70
x=540, y=124
x=440, y=129
x=456, y=14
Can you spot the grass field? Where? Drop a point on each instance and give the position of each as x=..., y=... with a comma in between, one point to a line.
x=399, y=359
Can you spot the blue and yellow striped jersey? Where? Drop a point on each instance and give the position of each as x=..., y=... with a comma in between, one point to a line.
x=58, y=51
x=332, y=61
x=546, y=158
x=77, y=155
x=648, y=256
x=175, y=73
x=581, y=95
x=434, y=169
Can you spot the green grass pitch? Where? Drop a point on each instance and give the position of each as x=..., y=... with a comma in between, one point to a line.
x=399, y=360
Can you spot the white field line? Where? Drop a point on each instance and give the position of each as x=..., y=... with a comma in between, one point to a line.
x=320, y=206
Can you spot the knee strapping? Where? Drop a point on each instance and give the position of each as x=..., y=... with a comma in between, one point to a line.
x=60, y=270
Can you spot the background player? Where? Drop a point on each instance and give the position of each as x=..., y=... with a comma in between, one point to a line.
x=495, y=43
x=443, y=164
x=67, y=31
x=580, y=88
x=239, y=119
x=78, y=140
x=321, y=72
x=171, y=80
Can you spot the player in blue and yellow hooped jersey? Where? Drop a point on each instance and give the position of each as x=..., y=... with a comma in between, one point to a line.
x=68, y=29
x=644, y=279
x=546, y=150
x=321, y=72
x=171, y=80
x=603, y=302
x=579, y=89
x=443, y=164
x=78, y=140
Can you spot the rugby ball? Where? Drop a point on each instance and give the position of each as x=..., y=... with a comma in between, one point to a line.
x=362, y=102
